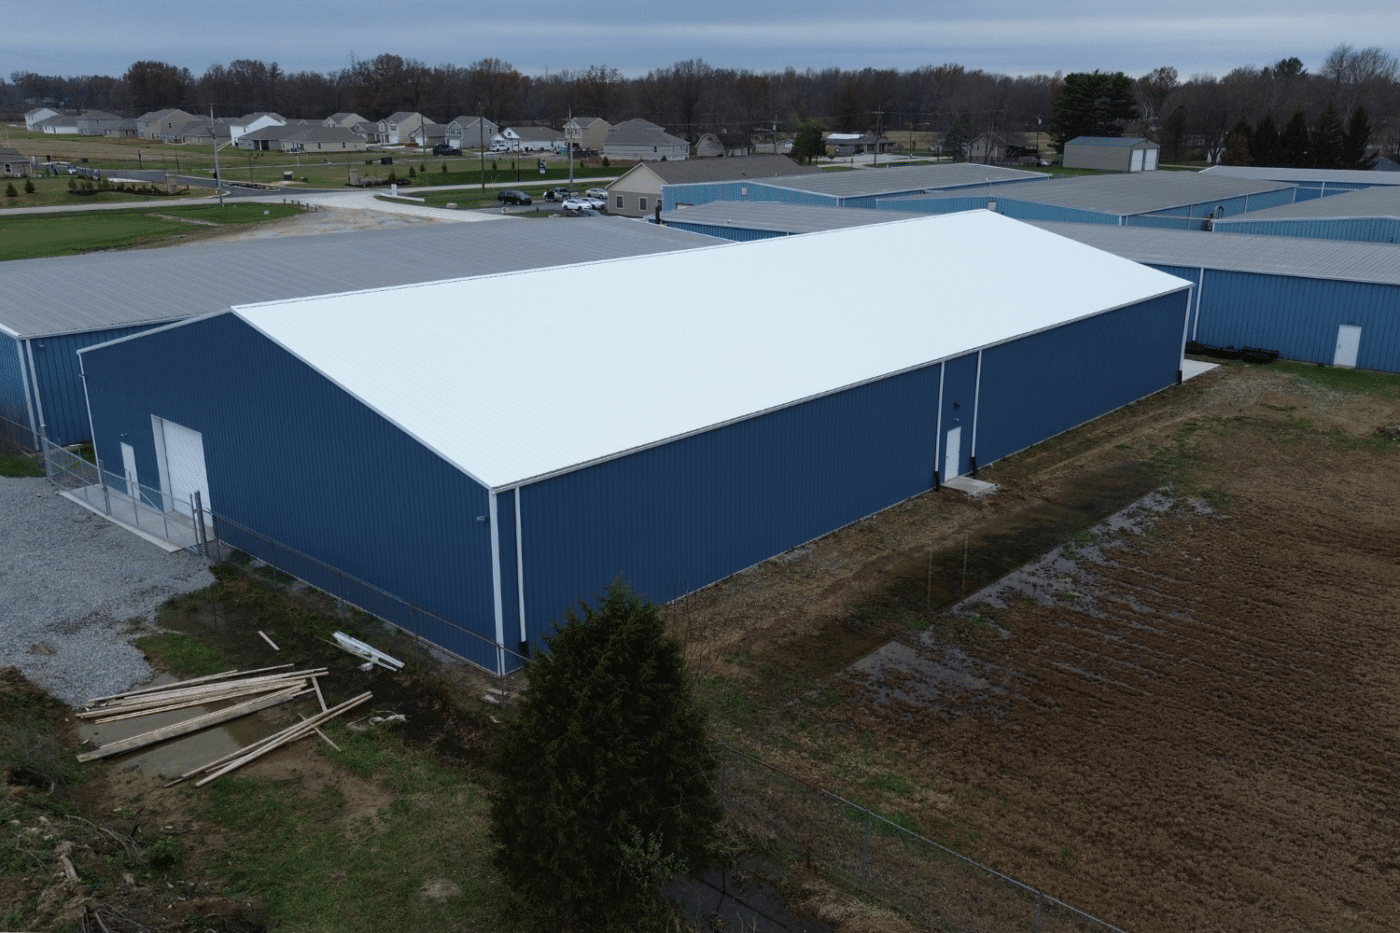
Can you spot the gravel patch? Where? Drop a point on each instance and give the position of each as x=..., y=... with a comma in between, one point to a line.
x=70, y=584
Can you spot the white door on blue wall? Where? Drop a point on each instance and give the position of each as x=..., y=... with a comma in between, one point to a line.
x=129, y=470
x=181, y=452
x=952, y=453
x=1348, y=345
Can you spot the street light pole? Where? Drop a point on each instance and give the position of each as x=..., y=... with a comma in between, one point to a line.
x=214, y=135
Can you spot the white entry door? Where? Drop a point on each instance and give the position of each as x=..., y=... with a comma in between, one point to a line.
x=1137, y=160
x=133, y=488
x=1348, y=345
x=182, y=465
x=952, y=453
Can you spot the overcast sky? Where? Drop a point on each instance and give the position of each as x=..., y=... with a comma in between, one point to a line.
x=1011, y=36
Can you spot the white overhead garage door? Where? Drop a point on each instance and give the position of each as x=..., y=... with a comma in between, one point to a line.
x=181, y=454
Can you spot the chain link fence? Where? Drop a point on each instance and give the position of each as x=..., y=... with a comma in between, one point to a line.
x=189, y=525
x=862, y=849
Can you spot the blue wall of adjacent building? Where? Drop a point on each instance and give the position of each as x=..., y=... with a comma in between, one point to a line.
x=672, y=196
x=1298, y=317
x=292, y=456
x=12, y=401
x=60, y=382
x=1358, y=229
x=727, y=231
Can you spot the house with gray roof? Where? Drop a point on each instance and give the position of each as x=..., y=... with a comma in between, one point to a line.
x=95, y=122
x=586, y=132
x=303, y=138
x=345, y=119
x=468, y=132
x=638, y=192
x=527, y=139
x=643, y=141
x=37, y=115
x=14, y=165
x=61, y=125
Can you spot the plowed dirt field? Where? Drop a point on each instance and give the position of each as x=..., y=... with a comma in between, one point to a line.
x=1186, y=717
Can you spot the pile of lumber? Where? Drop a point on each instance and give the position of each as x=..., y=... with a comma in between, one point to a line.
x=246, y=691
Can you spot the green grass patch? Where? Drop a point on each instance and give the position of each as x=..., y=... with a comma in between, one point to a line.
x=320, y=866
x=22, y=465
x=1346, y=380
x=32, y=236
x=890, y=783
x=183, y=654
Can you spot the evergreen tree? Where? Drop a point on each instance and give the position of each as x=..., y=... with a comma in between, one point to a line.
x=809, y=143
x=1294, y=142
x=1097, y=104
x=1326, y=140
x=606, y=770
x=1236, y=150
x=1263, y=142
x=29, y=186
x=1354, y=142
x=959, y=134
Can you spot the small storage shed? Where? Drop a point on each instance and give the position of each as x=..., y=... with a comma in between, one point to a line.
x=491, y=453
x=1112, y=153
x=1317, y=301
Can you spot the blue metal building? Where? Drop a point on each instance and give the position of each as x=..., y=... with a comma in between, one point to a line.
x=1312, y=183
x=52, y=308
x=1170, y=200
x=494, y=464
x=742, y=221
x=1317, y=301
x=859, y=188
x=1371, y=215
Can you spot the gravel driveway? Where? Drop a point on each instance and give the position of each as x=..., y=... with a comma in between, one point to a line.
x=69, y=584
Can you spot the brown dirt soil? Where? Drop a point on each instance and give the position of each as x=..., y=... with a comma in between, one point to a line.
x=1188, y=724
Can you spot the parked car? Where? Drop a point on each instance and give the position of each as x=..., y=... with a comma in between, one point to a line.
x=445, y=149
x=600, y=193
x=512, y=196
x=593, y=203
x=558, y=194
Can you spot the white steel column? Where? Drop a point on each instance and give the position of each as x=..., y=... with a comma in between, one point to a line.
x=496, y=574
x=976, y=398
x=520, y=561
x=938, y=430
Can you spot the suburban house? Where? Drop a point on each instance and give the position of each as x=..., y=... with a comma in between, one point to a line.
x=427, y=134
x=467, y=132
x=308, y=138
x=845, y=144
x=60, y=125
x=125, y=128
x=643, y=141
x=527, y=139
x=716, y=145
x=987, y=147
x=586, y=132
x=637, y=192
x=199, y=131
x=544, y=480
x=347, y=120
x=37, y=115
x=155, y=124
x=1112, y=153
x=95, y=122
x=397, y=128
x=14, y=165
x=237, y=126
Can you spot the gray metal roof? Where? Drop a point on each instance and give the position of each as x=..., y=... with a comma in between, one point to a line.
x=1134, y=193
x=1310, y=175
x=1125, y=142
x=1241, y=252
x=1368, y=202
x=691, y=171
x=98, y=291
x=782, y=218
x=898, y=179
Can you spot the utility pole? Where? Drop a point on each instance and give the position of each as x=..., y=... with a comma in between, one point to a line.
x=568, y=141
x=879, y=132
x=214, y=134
x=481, y=140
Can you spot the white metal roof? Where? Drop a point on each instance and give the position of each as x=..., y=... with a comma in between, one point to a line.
x=514, y=377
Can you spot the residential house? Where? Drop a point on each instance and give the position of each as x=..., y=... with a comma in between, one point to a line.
x=253, y=121
x=96, y=122
x=309, y=138
x=716, y=145
x=397, y=128
x=61, y=125
x=347, y=120
x=37, y=115
x=637, y=193
x=14, y=165
x=427, y=134
x=527, y=139
x=586, y=132
x=122, y=129
x=846, y=144
x=643, y=141
x=466, y=132
x=155, y=124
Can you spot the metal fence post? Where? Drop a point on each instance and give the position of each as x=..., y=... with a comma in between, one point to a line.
x=199, y=536
x=865, y=852
x=102, y=481
x=1039, y=906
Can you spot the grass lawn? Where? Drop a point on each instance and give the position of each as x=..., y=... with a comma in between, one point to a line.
x=31, y=236
x=53, y=191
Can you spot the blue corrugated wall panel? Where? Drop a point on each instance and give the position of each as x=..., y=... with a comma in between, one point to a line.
x=1049, y=382
x=1308, y=194
x=1165, y=221
x=61, y=383
x=1359, y=229
x=1267, y=199
x=1299, y=317
x=1029, y=210
x=510, y=580
x=292, y=456
x=12, y=400
x=932, y=205
x=1192, y=275
x=738, y=234
x=674, y=518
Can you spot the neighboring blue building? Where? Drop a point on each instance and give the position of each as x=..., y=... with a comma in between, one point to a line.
x=1316, y=301
x=1371, y=215
x=492, y=453
x=742, y=221
x=855, y=188
x=1171, y=200
x=52, y=308
x=1311, y=182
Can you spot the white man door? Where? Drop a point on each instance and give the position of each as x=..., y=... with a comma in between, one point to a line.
x=1348, y=346
x=180, y=453
x=952, y=453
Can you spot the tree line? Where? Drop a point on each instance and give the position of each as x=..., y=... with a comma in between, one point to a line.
x=1187, y=117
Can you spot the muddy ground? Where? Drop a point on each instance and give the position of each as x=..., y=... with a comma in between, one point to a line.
x=1183, y=720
